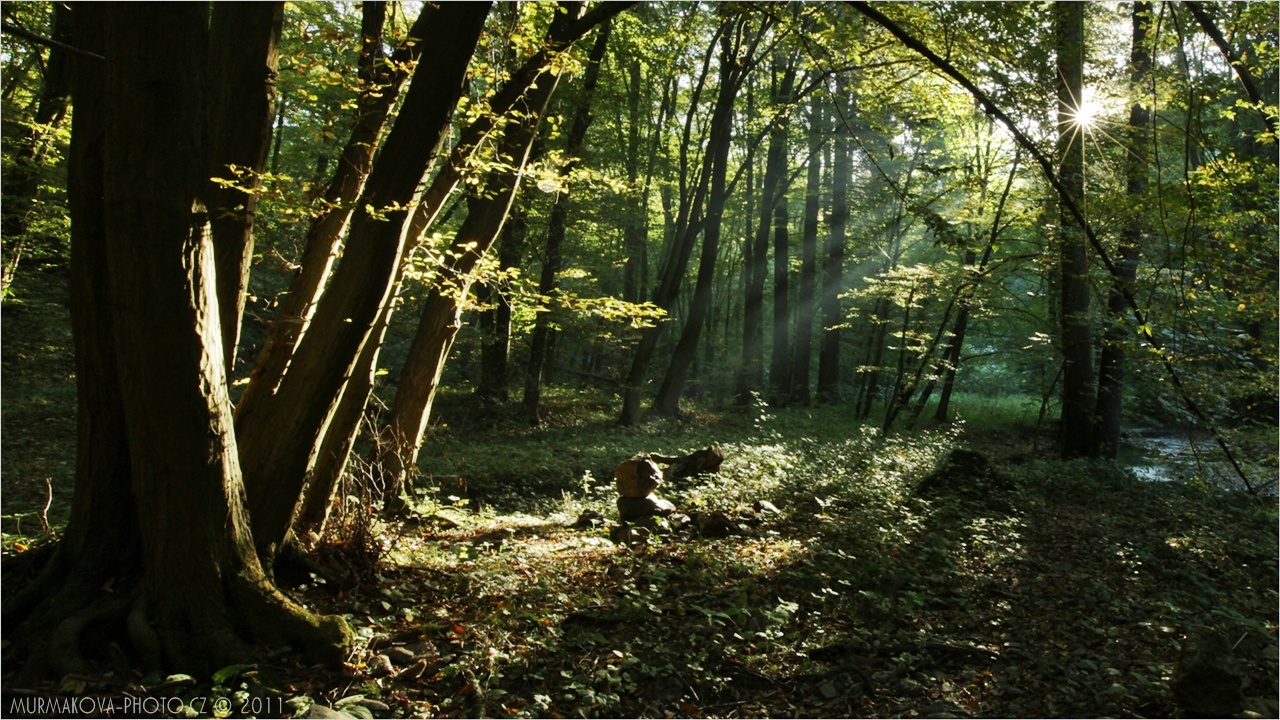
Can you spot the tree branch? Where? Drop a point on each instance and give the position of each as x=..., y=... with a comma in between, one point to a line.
x=1236, y=62
x=26, y=35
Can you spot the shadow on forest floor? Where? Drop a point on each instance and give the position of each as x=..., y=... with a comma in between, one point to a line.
x=897, y=578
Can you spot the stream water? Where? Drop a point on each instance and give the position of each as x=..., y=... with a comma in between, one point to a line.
x=1170, y=455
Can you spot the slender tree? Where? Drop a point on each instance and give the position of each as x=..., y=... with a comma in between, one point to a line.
x=1118, y=336
x=1077, y=342
x=540, y=342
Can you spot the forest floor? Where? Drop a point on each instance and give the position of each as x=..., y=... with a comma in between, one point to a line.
x=955, y=572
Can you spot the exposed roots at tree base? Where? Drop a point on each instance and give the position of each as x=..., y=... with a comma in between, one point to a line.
x=84, y=623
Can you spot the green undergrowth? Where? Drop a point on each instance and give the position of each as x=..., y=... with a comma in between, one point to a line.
x=941, y=574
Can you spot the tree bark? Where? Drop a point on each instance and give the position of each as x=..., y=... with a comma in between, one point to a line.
x=687, y=223
x=720, y=135
x=494, y=322
x=245, y=42
x=280, y=433
x=1077, y=337
x=756, y=255
x=200, y=599
x=1119, y=334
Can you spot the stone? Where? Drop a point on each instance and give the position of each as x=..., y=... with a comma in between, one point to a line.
x=634, y=508
x=628, y=535
x=380, y=666
x=637, y=477
x=717, y=524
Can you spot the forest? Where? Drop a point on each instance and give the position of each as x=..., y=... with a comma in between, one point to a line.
x=640, y=359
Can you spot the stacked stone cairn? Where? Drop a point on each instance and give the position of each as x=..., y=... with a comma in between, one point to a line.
x=637, y=479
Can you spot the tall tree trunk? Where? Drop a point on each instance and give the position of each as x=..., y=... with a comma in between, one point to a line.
x=667, y=401
x=280, y=433
x=807, y=311
x=201, y=599
x=540, y=341
x=22, y=184
x=401, y=439
x=1111, y=365
x=378, y=94
x=1077, y=343
x=246, y=49
x=684, y=231
x=833, y=262
x=102, y=536
x=342, y=430
x=494, y=322
x=780, y=352
x=756, y=255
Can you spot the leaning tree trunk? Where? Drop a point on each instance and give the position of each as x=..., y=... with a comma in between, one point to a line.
x=687, y=225
x=720, y=137
x=756, y=255
x=101, y=539
x=279, y=433
x=199, y=598
x=1077, y=342
x=1117, y=339
x=246, y=49
x=378, y=95
x=494, y=322
x=401, y=439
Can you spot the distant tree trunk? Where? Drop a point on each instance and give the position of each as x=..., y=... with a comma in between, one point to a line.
x=279, y=433
x=247, y=48
x=667, y=401
x=833, y=263
x=687, y=223
x=807, y=311
x=756, y=254
x=869, y=386
x=1111, y=365
x=1077, y=344
x=540, y=342
x=200, y=599
x=401, y=439
x=950, y=360
x=780, y=351
x=494, y=321
x=324, y=235
x=22, y=184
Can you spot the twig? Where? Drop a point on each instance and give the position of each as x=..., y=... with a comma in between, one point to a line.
x=48, y=501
